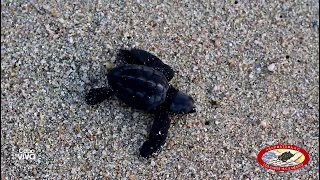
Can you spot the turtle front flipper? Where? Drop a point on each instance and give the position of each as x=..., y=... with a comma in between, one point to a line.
x=98, y=95
x=141, y=57
x=157, y=136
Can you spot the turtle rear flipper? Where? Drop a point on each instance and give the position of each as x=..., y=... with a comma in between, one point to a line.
x=98, y=95
x=157, y=136
x=141, y=57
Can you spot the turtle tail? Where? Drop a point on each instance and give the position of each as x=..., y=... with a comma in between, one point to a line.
x=98, y=95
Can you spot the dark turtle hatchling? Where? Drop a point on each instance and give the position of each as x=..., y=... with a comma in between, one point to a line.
x=143, y=84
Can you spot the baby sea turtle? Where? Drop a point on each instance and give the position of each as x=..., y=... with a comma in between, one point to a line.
x=143, y=84
x=284, y=157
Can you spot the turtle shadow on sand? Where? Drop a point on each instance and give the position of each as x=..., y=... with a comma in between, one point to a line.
x=143, y=83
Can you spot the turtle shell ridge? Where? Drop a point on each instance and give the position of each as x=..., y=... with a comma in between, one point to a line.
x=139, y=86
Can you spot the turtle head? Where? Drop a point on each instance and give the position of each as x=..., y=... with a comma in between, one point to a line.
x=181, y=103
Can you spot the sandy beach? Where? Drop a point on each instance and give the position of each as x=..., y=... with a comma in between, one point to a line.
x=251, y=67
